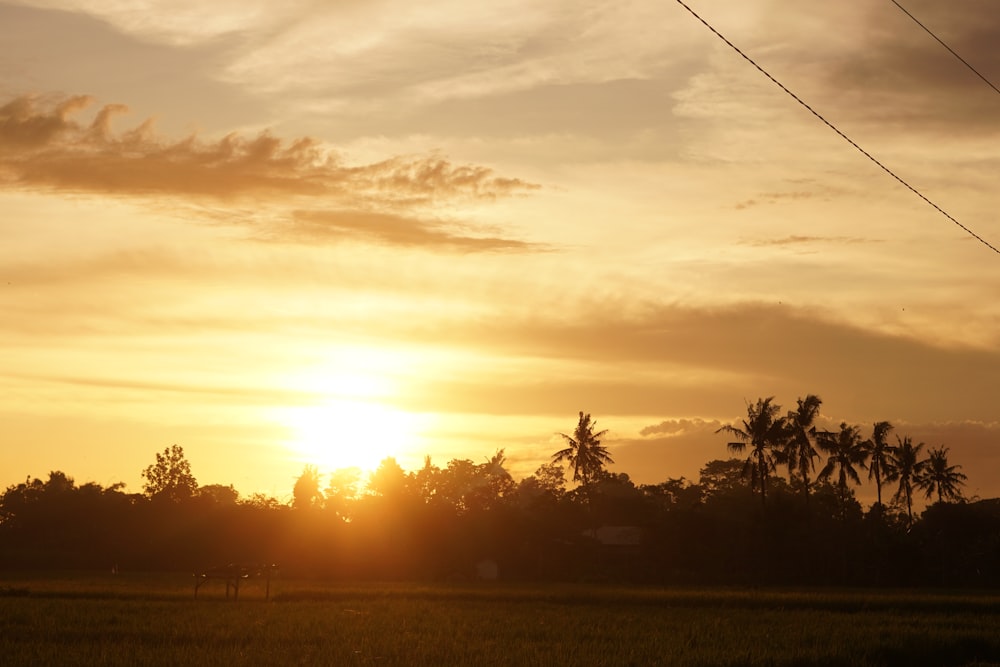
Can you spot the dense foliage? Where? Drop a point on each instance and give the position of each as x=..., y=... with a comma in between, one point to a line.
x=741, y=522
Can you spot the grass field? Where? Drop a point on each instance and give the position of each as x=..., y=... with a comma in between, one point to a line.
x=132, y=619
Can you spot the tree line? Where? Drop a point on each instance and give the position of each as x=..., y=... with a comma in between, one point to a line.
x=741, y=522
x=794, y=441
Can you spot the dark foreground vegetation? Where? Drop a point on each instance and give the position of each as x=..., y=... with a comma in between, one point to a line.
x=742, y=522
x=132, y=619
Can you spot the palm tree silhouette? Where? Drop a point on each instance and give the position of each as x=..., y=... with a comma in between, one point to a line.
x=906, y=467
x=939, y=477
x=847, y=452
x=585, y=453
x=765, y=433
x=880, y=454
x=800, y=451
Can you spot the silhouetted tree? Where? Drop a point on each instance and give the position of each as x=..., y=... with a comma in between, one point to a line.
x=219, y=494
x=426, y=481
x=585, y=453
x=342, y=491
x=906, y=467
x=462, y=487
x=879, y=455
x=389, y=479
x=551, y=477
x=262, y=501
x=545, y=487
x=847, y=452
x=800, y=451
x=721, y=476
x=937, y=477
x=672, y=492
x=57, y=523
x=306, y=493
x=613, y=499
x=765, y=433
x=498, y=478
x=170, y=476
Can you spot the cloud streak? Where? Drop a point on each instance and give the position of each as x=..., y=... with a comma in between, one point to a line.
x=385, y=229
x=221, y=394
x=797, y=240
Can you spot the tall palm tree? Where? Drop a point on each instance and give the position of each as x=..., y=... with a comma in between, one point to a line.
x=800, y=451
x=585, y=453
x=939, y=477
x=879, y=455
x=847, y=452
x=765, y=433
x=906, y=467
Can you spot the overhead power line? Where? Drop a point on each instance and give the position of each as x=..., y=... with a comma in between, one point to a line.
x=834, y=128
x=942, y=43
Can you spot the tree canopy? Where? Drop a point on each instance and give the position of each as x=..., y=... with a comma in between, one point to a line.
x=170, y=476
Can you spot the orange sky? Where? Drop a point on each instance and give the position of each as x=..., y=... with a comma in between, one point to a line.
x=278, y=233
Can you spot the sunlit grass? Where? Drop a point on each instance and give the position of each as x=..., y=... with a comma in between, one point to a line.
x=153, y=619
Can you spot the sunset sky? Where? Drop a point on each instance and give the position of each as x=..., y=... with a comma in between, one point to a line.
x=279, y=233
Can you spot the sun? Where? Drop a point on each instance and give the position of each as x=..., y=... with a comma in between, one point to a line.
x=346, y=416
x=350, y=433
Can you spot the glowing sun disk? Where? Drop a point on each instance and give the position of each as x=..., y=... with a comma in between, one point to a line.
x=342, y=433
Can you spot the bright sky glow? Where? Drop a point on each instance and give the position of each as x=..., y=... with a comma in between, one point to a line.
x=281, y=233
x=340, y=433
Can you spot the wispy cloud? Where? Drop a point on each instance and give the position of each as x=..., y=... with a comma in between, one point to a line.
x=776, y=197
x=240, y=395
x=796, y=240
x=443, y=49
x=181, y=22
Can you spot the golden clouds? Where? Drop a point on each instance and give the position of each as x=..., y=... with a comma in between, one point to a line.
x=386, y=228
x=24, y=126
x=685, y=360
x=911, y=80
x=42, y=145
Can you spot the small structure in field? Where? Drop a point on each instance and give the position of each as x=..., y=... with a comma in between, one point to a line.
x=234, y=574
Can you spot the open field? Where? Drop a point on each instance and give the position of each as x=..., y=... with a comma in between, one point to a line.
x=74, y=619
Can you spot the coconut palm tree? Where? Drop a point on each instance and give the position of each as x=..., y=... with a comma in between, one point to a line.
x=939, y=478
x=585, y=453
x=879, y=455
x=847, y=452
x=800, y=450
x=906, y=467
x=765, y=433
